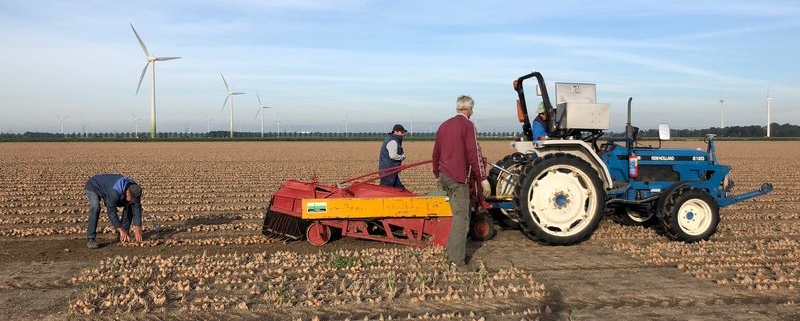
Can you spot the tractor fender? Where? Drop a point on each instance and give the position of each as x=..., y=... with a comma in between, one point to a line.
x=574, y=147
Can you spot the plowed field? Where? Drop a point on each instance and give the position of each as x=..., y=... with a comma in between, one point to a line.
x=205, y=258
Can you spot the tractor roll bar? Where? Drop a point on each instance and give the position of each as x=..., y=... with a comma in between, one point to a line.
x=548, y=107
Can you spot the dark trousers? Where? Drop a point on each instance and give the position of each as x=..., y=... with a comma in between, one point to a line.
x=392, y=181
x=94, y=215
x=459, y=204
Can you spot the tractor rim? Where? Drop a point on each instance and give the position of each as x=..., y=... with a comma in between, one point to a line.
x=562, y=202
x=694, y=216
x=638, y=216
x=505, y=186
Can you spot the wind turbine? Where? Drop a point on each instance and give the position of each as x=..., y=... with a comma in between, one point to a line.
x=208, y=124
x=345, y=125
x=135, y=125
x=150, y=60
x=229, y=97
x=769, y=107
x=260, y=107
x=278, y=122
x=61, y=120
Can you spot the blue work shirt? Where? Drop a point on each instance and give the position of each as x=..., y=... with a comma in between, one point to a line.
x=539, y=128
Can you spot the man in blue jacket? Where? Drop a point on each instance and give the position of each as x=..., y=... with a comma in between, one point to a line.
x=540, y=126
x=115, y=190
x=392, y=155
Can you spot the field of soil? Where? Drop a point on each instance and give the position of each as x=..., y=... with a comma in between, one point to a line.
x=204, y=256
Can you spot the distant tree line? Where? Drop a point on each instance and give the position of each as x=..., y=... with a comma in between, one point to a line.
x=753, y=131
x=776, y=130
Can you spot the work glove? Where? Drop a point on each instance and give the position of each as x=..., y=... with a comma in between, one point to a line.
x=487, y=188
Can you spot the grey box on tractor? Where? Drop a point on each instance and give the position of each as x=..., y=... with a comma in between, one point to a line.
x=557, y=190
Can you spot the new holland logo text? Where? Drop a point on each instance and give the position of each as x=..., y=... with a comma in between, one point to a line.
x=662, y=158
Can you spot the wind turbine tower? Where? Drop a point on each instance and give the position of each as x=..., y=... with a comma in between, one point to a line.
x=61, y=120
x=769, y=108
x=260, y=107
x=135, y=125
x=150, y=60
x=229, y=97
x=208, y=124
x=278, y=122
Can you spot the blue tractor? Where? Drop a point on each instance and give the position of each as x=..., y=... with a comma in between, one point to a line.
x=558, y=189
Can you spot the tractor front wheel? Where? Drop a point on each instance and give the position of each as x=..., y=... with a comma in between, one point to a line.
x=560, y=199
x=689, y=215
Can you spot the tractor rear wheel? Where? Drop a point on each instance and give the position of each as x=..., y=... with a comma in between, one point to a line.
x=560, y=199
x=481, y=227
x=689, y=215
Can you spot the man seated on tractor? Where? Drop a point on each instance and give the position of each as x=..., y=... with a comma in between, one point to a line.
x=540, y=128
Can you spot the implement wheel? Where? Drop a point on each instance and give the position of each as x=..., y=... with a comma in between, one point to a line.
x=560, y=199
x=689, y=215
x=482, y=227
x=318, y=234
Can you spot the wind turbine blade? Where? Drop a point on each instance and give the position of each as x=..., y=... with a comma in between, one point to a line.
x=259, y=99
x=226, y=83
x=258, y=111
x=166, y=58
x=238, y=93
x=141, y=77
x=225, y=102
x=140, y=41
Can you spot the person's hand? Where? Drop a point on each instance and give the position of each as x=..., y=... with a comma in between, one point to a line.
x=123, y=235
x=137, y=233
x=487, y=188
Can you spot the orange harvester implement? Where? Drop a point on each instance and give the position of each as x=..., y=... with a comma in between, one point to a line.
x=357, y=208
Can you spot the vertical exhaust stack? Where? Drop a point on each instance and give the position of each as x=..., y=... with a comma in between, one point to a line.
x=628, y=127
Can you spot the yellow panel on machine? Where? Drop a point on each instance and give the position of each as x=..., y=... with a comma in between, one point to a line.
x=376, y=207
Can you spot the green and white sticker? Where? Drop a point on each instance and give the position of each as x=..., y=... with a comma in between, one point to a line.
x=316, y=207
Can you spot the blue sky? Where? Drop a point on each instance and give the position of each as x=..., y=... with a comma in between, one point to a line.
x=365, y=65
